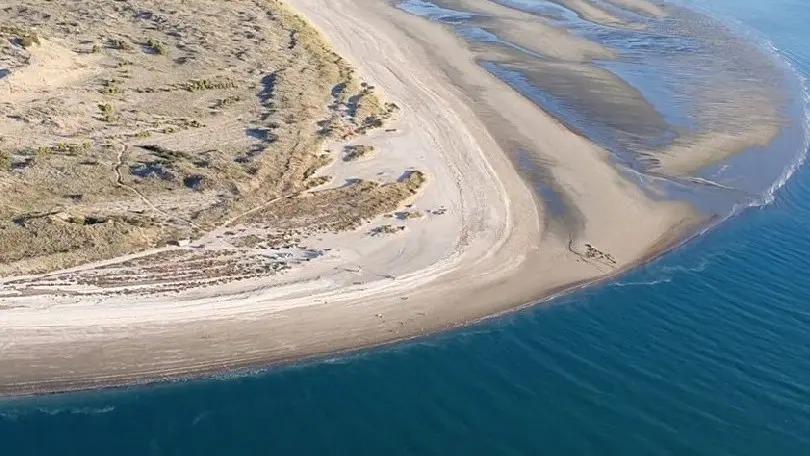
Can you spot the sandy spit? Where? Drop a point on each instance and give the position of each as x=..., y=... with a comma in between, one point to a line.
x=493, y=251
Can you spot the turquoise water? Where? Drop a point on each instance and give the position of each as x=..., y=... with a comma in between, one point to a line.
x=706, y=351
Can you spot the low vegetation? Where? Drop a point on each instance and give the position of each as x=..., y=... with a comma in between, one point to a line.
x=107, y=112
x=20, y=36
x=356, y=152
x=123, y=151
x=156, y=46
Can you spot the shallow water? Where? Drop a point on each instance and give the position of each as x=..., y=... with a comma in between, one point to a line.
x=706, y=351
x=674, y=83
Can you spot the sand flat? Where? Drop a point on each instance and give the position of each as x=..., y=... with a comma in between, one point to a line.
x=481, y=247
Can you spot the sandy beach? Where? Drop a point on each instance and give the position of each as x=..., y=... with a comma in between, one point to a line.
x=474, y=240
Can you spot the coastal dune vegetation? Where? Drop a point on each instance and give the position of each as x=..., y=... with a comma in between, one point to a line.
x=130, y=126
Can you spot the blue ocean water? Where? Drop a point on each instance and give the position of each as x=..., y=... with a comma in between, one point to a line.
x=705, y=351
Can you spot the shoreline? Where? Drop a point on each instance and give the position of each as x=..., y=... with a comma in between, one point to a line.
x=494, y=255
x=211, y=372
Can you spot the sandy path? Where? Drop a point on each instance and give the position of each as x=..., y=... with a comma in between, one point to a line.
x=490, y=253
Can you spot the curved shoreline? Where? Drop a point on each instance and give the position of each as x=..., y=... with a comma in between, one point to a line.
x=502, y=255
x=257, y=367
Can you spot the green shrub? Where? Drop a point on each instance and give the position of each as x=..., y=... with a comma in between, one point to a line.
x=156, y=46
x=120, y=45
x=107, y=112
x=195, y=85
x=29, y=39
x=5, y=161
x=72, y=149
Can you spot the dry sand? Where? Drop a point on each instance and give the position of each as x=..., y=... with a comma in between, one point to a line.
x=473, y=242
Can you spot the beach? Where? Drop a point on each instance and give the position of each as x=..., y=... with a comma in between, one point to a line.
x=702, y=350
x=481, y=241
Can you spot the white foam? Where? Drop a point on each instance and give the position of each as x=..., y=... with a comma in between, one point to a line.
x=643, y=283
x=15, y=414
x=770, y=194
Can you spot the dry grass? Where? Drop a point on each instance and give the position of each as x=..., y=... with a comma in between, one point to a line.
x=152, y=150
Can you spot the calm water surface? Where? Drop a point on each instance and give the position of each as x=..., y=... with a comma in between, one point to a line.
x=706, y=351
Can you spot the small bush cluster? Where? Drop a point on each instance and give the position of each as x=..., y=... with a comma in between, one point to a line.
x=156, y=46
x=29, y=40
x=110, y=87
x=196, y=85
x=356, y=152
x=72, y=148
x=386, y=229
x=24, y=38
x=5, y=161
x=120, y=45
x=107, y=112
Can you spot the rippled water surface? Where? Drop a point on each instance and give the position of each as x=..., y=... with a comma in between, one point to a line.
x=706, y=351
